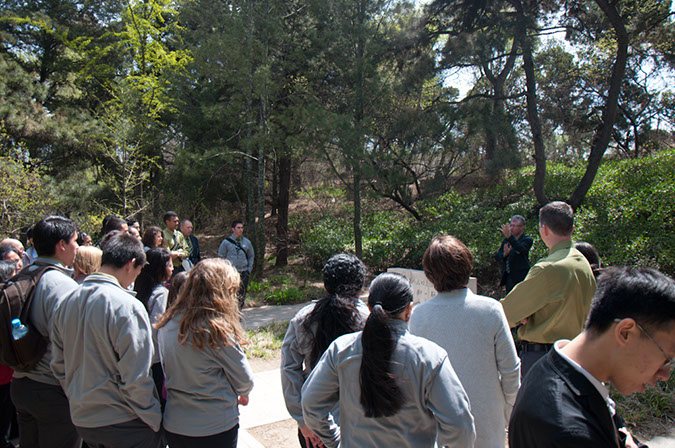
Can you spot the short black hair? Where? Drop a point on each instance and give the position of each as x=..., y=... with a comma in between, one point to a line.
x=169, y=215
x=643, y=294
x=119, y=248
x=114, y=223
x=235, y=223
x=131, y=221
x=558, y=216
x=49, y=231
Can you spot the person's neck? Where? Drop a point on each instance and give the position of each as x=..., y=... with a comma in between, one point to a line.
x=116, y=272
x=592, y=354
x=553, y=240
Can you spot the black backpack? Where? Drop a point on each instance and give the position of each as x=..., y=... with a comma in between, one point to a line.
x=16, y=297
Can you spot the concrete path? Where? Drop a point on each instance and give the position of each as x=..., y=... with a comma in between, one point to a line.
x=255, y=318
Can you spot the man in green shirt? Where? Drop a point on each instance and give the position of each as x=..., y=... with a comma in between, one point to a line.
x=174, y=241
x=554, y=299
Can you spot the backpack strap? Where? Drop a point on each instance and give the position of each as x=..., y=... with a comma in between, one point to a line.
x=35, y=276
x=235, y=243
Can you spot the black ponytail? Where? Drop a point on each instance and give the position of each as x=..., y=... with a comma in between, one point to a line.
x=336, y=313
x=381, y=396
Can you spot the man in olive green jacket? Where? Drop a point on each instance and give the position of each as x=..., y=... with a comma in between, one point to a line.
x=554, y=299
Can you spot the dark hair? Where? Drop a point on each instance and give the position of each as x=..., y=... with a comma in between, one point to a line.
x=7, y=269
x=447, y=263
x=381, y=396
x=336, y=314
x=80, y=238
x=49, y=231
x=591, y=254
x=643, y=294
x=114, y=223
x=169, y=215
x=152, y=274
x=235, y=223
x=558, y=216
x=177, y=282
x=131, y=221
x=6, y=249
x=149, y=236
x=119, y=248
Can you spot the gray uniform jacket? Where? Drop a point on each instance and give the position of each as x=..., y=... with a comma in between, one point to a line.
x=156, y=307
x=295, y=352
x=241, y=259
x=102, y=347
x=50, y=291
x=474, y=332
x=435, y=408
x=202, y=386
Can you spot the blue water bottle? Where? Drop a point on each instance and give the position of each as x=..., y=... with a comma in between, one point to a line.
x=19, y=330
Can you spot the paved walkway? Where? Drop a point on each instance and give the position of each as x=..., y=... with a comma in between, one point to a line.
x=266, y=403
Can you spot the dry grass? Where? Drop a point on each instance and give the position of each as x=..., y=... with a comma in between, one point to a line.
x=265, y=342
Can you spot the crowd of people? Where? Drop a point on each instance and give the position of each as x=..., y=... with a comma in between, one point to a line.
x=145, y=344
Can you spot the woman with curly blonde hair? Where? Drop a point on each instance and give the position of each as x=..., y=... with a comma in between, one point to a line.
x=206, y=372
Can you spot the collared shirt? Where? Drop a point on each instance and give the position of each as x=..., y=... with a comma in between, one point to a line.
x=555, y=297
x=174, y=241
x=102, y=348
x=599, y=385
x=436, y=407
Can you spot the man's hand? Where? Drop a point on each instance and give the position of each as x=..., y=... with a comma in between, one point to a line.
x=174, y=254
x=506, y=230
x=507, y=249
x=630, y=443
x=243, y=400
x=311, y=439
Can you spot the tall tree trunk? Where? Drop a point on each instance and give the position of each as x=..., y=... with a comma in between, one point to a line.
x=603, y=133
x=532, y=108
x=358, y=236
x=283, y=201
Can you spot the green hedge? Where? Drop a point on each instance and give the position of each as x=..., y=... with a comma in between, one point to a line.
x=628, y=216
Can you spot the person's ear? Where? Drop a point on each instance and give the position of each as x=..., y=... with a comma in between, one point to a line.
x=408, y=312
x=624, y=330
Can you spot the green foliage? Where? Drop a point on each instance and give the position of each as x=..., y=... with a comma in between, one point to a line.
x=26, y=196
x=627, y=216
x=281, y=289
x=645, y=410
x=265, y=342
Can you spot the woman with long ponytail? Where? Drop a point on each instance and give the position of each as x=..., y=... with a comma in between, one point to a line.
x=392, y=388
x=314, y=327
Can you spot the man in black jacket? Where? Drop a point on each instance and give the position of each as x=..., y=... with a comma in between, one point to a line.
x=514, y=252
x=628, y=341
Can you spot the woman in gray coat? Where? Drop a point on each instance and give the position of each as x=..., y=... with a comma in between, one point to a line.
x=314, y=327
x=394, y=389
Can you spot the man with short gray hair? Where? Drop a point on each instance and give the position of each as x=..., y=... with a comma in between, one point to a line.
x=514, y=252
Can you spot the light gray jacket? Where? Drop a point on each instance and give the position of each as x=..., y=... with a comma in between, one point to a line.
x=50, y=291
x=102, y=347
x=241, y=259
x=435, y=408
x=202, y=386
x=474, y=332
x=295, y=353
x=156, y=307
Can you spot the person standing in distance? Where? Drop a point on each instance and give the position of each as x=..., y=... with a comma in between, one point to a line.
x=174, y=241
x=239, y=251
x=514, y=252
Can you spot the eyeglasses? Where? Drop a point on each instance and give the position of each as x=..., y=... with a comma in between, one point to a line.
x=670, y=364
